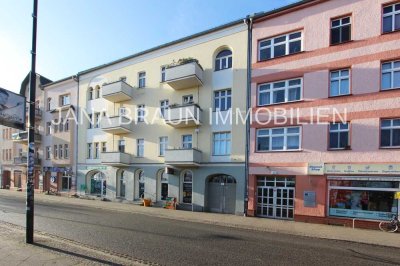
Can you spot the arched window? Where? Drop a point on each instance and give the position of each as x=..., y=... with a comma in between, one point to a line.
x=164, y=185
x=97, y=92
x=90, y=94
x=49, y=104
x=223, y=60
x=141, y=183
x=187, y=187
x=121, y=184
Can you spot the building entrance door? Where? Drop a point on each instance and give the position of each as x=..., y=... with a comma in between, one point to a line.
x=275, y=197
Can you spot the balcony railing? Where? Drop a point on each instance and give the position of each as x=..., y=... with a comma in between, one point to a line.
x=183, y=157
x=184, y=76
x=38, y=113
x=183, y=115
x=116, y=125
x=22, y=137
x=118, y=91
x=24, y=160
x=116, y=158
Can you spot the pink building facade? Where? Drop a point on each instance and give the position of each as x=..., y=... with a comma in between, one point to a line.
x=331, y=70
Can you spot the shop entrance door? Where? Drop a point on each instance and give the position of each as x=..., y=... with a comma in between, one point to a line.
x=275, y=197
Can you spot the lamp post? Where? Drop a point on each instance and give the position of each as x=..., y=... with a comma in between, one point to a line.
x=31, y=134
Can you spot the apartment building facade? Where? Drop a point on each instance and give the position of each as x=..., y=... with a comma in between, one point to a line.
x=14, y=146
x=177, y=144
x=334, y=65
x=59, y=136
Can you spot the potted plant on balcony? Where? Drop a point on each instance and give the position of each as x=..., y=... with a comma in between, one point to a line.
x=183, y=61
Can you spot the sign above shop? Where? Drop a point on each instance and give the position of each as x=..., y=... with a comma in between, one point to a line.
x=365, y=169
x=315, y=169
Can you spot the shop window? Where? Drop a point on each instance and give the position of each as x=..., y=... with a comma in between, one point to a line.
x=363, y=199
x=187, y=187
x=164, y=185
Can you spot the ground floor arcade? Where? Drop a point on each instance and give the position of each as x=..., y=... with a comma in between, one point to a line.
x=214, y=188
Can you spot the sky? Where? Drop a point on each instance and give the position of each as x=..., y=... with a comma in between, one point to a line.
x=74, y=35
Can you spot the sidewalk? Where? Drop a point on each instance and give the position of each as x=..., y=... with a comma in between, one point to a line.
x=374, y=237
x=50, y=250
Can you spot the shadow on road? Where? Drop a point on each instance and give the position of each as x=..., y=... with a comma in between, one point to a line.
x=70, y=253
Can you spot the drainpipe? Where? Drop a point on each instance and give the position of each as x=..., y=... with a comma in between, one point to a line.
x=77, y=110
x=249, y=22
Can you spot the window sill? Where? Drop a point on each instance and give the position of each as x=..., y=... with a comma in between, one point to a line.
x=341, y=43
x=390, y=89
x=390, y=148
x=340, y=96
x=390, y=32
x=300, y=150
x=340, y=149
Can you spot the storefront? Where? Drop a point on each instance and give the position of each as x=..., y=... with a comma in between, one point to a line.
x=363, y=197
x=58, y=179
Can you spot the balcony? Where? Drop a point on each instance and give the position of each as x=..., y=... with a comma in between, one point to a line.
x=116, y=158
x=183, y=76
x=24, y=160
x=183, y=157
x=22, y=137
x=116, y=125
x=183, y=116
x=118, y=91
x=38, y=113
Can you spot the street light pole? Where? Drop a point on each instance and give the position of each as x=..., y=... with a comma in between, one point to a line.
x=31, y=134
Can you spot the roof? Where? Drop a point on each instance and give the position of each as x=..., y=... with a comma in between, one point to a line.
x=43, y=81
x=59, y=81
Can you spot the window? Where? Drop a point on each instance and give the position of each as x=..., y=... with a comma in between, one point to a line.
x=122, y=184
x=390, y=133
x=187, y=187
x=280, y=46
x=140, y=147
x=339, y=136
x=90, y=94
x=66, y=183
x=163, y=145
x=280, y=92
x=48, y=104
x=187, y=99
x=391, y=18
x=61, y=126
x=97, y=120
x=121, y=146
x=222, y=100
x=97, y=92
x=91, y=122
x=141, y=183
x=222, y=143
x=66, y=151
x=60, y=151
x=163, y=107
x=187, y=141
x=48, y=128
x=89, y=150
x=55, y=125
x=97, y=150
x=55, y=151
x=66, y=125
x=391, y=75
x=340, y=82
x=103, y=147
x=65, y=100
x=340, y=30
x=278, y=139
x=223, y=60
x=122, y=111
x=163, y=74
x=141, y=113
x=142, y=79
x=48, y=152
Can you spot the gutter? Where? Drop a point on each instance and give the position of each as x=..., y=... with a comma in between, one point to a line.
x=249, y=22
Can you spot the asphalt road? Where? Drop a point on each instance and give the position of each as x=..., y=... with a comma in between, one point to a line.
x=170, y=242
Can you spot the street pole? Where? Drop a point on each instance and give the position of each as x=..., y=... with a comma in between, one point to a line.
x=31, y=134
